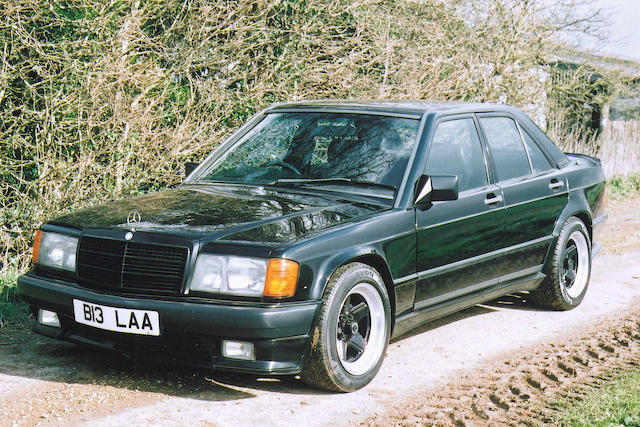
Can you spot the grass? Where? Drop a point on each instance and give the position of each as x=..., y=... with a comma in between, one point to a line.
x=12, y=309
x=616, y=404
x=620, y=187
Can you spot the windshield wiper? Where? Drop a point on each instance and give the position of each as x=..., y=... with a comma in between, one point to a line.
x=330, y=181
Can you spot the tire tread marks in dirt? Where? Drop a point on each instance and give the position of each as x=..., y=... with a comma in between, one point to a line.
x=524, y=388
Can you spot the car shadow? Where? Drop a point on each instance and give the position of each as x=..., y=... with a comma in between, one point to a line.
x=516, y=301
x=26, y=354
x=476, y=310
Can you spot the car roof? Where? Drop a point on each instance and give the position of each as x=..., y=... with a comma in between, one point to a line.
x=409, y=107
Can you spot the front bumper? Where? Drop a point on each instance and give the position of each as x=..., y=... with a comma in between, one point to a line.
x=191, y=332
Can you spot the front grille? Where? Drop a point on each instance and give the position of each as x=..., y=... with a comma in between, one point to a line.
x=130, y=266
x=100, y=262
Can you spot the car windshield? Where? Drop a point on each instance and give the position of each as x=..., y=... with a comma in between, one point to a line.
x=338, y=151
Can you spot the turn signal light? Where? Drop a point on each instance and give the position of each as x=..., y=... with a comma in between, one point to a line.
x=281, y=279
x=36, y=246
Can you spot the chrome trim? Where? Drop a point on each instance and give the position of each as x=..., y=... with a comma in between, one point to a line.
x=525, y=244
x=455, y=294
x=459, y=264
x=478, y=286
x=493, y=200
x=518, y=274
x=425, y=274
x=554, y=185
x=400, y=281
x=548, y=196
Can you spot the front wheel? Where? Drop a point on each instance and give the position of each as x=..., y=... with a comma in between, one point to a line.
x=351, y=333
x=568, y=280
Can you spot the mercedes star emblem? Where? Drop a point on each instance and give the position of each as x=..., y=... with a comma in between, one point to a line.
x=133, y=218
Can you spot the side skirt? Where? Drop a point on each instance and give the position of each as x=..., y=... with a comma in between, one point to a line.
x=413, y=319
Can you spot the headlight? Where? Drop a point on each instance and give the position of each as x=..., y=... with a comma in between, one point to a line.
x=229, y=275
x=244, y=276
x=55, y=250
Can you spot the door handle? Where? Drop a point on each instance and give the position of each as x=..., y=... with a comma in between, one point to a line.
x=492, y=199
x=555, y=184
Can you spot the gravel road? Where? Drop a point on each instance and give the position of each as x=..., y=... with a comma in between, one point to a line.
x=46, y=382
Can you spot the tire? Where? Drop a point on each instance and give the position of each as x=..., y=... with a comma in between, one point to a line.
x=351, y=332
x=567, y=282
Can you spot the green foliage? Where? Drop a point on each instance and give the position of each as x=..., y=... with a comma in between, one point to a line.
x=12, y=309
x=101, y=99
x=620, y=187
x=617, y=404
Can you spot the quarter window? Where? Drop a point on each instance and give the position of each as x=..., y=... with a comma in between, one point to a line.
x=455, y=150
x=539, y=161
x=506, y=146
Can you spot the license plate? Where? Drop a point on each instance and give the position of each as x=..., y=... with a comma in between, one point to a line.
x=143, y=322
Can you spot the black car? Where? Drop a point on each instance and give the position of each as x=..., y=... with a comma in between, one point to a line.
x=318, y=231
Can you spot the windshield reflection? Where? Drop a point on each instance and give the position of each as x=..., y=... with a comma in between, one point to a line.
x=316, y=146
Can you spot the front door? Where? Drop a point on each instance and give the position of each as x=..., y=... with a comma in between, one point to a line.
x=459, y=242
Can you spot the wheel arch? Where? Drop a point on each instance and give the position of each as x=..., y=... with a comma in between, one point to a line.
x=585, y=217
x=373, y=258
x=578, y=207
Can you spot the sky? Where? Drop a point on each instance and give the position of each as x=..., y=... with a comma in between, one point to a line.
x=624, y=29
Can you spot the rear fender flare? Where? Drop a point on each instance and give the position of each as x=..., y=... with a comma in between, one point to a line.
x=577, y=206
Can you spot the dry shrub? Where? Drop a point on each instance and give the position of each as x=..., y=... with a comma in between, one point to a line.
x=571, y=122
x=619, y=148
x=104, y=99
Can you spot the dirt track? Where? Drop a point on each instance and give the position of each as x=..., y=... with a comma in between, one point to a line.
x=520, y=387
x=498, y=362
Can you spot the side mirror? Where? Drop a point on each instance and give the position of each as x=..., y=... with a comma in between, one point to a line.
x=189, y=167
x=435, y=188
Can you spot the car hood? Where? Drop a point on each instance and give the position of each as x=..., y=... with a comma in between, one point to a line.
x=249, y=214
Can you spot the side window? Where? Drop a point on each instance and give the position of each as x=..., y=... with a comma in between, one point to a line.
x=455, y=150
x=506, y=147
x=539, y=161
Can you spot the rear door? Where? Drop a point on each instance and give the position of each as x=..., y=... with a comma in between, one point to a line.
x=535, y=192
x=459, y=241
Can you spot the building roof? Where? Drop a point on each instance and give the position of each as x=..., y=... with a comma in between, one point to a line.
x=625, y=67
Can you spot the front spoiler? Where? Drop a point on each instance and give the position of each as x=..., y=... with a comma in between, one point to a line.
x=191, y=332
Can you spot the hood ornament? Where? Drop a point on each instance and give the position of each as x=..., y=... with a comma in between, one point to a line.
x=132, y=219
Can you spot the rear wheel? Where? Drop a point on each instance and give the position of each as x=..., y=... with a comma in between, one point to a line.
x=568, y=280
x=351, y=333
